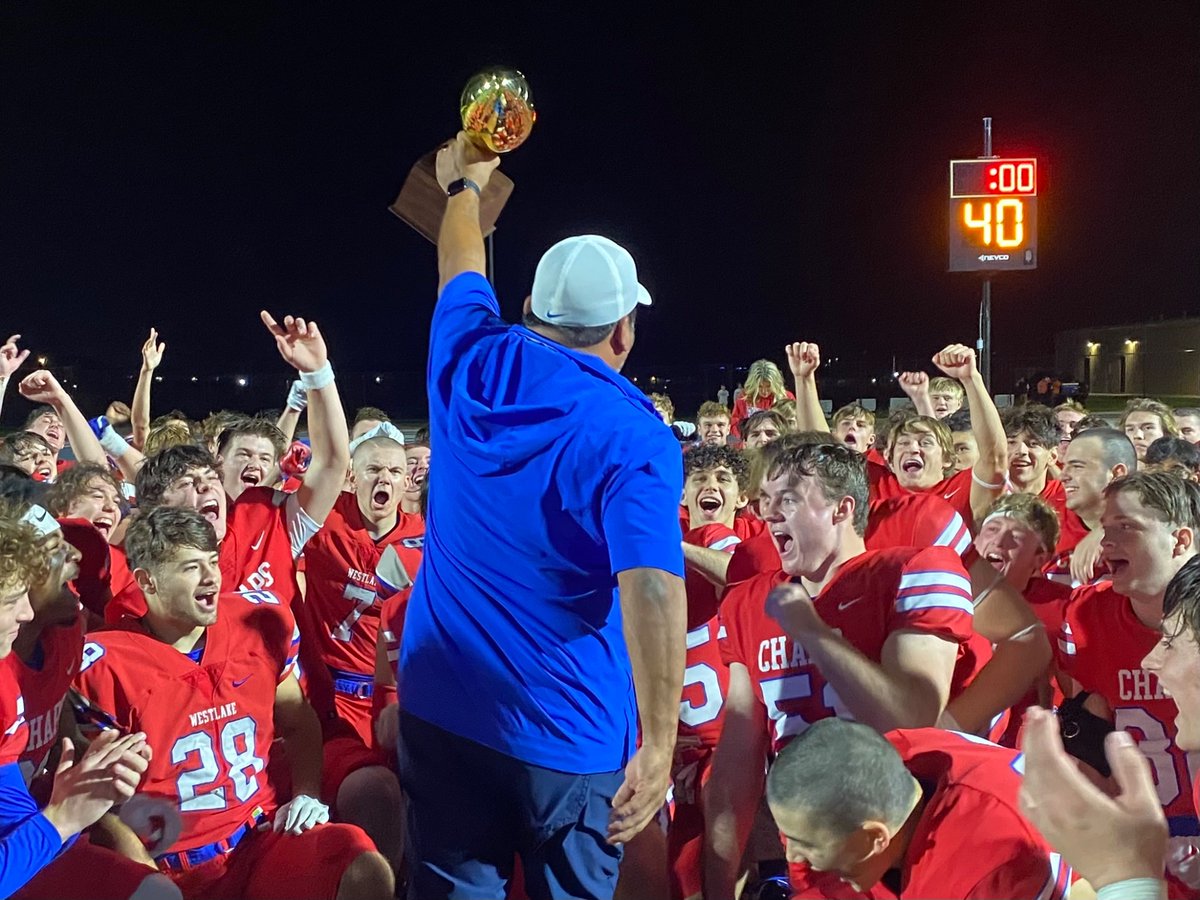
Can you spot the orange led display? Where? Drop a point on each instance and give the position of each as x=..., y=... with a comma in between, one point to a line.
x=993, y=214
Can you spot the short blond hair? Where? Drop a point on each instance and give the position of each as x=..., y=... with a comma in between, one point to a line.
x=943, y=385
x=1033, y=512
x=711, y=409
x=924, y=425
x=1070, y=406
x=171, y=433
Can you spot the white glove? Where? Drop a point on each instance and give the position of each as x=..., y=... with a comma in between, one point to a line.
x=297, y=397
x=301, y=814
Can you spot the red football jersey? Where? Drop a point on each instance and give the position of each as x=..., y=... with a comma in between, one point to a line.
x=706, y=676
x=971, y=783
x=746, y=525
x=954, y=489
x=872, y=596
x=755, y=555
x=1101, y=646
x=45, y=689
x=348, y=575
x=211, y=723
x=1048, y=600
x=915, y=520
x=966, y=781
x=271, y=528
x=12, y=713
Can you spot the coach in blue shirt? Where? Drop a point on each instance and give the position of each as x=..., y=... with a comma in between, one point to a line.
x=551, y=585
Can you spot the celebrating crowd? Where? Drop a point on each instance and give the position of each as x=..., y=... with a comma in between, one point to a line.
x=595, y=650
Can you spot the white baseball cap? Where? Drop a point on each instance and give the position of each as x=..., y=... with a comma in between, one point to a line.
x=584, y=281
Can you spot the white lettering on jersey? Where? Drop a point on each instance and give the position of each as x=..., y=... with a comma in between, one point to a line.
x=213, y=714
x=773, y=655
x=1138, y=684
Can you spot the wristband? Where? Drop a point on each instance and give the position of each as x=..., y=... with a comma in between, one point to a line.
x=114, y=445
x=314, y=381
x=1134, y=889
x=297, y=397
x=983, y=484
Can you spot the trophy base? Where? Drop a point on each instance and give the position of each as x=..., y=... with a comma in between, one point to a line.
x=422, y=201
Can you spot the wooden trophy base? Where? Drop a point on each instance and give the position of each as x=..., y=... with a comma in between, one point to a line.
x=422, y=201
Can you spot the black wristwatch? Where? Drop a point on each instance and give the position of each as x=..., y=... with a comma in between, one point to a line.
x=463, y=184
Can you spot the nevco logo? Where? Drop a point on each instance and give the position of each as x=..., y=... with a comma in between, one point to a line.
x=993, y=257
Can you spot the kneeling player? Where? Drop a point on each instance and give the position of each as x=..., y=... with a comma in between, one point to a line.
x=920, y=813
x=210, y=678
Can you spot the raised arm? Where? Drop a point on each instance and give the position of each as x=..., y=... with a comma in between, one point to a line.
x=42, y=387
x=916, y=386
x=1020, y=655
x=139, y=412
x=908, y=688
x=11, y=358
x=301, y=344
x=297, y=402
x=654, y=614
x=958, y=361
x=460, y=240
x=804, y=358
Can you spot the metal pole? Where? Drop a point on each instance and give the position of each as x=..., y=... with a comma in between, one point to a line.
x=983, y=346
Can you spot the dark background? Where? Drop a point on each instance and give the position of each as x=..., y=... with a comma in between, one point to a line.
x=778, y=174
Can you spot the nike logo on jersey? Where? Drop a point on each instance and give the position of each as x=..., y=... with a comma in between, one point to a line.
x=848, y=603
x=258, y=543
x=242, y=681
x=950, y=494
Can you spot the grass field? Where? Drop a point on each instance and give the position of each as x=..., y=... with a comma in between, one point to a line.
x=1116, y=402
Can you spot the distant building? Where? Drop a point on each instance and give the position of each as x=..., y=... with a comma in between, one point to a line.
x=1150, y=359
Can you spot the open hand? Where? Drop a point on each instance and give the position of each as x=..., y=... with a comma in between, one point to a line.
x=641, y=795
x=108, y=773
x=300, y=343
x=152, y=352
x=1106, y=839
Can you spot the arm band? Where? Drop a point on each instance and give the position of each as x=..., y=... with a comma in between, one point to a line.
x=314, y=381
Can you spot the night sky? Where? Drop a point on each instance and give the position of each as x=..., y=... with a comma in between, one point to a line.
x=777, y=174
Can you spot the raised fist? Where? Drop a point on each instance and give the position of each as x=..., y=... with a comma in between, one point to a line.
x=804, y=358
x=957, y=361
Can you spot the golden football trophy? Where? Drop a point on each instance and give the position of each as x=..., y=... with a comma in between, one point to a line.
x=497, y=112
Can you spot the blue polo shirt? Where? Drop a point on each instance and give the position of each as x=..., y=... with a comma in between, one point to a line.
x=552, y=473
